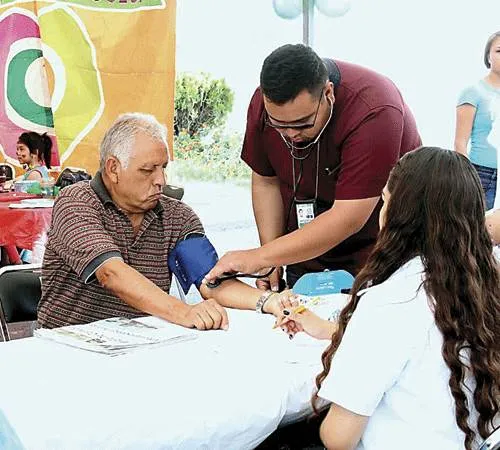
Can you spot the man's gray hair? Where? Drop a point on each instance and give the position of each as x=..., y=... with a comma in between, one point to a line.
x=119, y=139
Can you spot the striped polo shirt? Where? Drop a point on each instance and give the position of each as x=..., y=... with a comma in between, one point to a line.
x=88, y=229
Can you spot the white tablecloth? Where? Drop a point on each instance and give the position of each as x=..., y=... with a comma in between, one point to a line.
x=223, y=390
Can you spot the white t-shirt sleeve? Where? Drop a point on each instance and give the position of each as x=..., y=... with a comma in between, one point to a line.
x=373, y=352
x=496, y=252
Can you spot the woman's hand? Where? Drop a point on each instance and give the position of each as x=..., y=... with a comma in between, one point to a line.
x=308, y=322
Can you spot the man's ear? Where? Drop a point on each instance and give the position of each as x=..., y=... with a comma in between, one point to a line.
x=113, y=169
x=329, y=90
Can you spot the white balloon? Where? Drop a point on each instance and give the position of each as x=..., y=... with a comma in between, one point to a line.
x=287, y=9
x=333, y=8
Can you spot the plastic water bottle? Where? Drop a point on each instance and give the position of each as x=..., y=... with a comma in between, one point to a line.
x=47, y=187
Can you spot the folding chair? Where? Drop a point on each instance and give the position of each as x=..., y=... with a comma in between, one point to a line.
x=172, y=191
x=10, y=171
x=20, y=292
x=492, y=442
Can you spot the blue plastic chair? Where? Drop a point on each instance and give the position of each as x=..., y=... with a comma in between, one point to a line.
x=8, y=437
x=323, y=283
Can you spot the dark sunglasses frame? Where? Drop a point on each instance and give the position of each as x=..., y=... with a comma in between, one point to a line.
x=305, y=126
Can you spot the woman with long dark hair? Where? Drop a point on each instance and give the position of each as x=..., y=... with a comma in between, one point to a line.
x=478, y=121
x=414, y=361
x=34, y=151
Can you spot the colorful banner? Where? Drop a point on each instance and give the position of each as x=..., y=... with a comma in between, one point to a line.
x=70, y=67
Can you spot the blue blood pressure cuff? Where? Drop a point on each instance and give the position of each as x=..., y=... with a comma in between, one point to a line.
x=191, y=259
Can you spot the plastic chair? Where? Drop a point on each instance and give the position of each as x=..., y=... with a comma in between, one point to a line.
x=20, y=292
x=323, y=283
x=492, y=442
x=8, y=437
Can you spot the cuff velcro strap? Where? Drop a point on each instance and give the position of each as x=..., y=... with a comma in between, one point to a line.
x=191, y=260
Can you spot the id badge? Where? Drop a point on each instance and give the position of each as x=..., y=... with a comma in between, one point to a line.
x=306, y=211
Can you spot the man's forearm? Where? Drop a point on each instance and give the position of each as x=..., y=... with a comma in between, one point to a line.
x=268, y=207
x=233, y=294
x=139, y=292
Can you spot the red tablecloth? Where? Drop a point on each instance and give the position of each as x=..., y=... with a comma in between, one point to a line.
x=21, y=227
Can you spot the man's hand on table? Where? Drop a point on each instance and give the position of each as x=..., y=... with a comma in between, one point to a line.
x=207, y=315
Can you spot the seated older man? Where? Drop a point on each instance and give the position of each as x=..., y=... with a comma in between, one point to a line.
x=110, y=239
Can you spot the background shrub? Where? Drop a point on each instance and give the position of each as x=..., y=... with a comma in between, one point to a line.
x=201, y=103
x=214, y=157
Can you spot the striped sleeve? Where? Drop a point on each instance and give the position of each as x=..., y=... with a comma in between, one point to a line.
x=191, y=222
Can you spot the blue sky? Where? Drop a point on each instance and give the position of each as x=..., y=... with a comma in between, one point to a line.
x=430, y=48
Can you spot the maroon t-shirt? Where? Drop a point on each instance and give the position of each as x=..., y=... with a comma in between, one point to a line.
x=370, y=129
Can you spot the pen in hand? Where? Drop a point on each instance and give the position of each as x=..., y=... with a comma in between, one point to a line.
x=299, y=309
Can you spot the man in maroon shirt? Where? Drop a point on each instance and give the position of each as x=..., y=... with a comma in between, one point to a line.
x=321, y=136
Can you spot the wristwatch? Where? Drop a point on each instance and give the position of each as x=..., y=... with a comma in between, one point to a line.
x=259, y=306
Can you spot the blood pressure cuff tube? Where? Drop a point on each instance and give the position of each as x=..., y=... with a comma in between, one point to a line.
x=191, y=260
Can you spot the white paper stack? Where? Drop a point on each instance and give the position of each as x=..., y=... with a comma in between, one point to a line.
x=33, y=203
x=117, y=335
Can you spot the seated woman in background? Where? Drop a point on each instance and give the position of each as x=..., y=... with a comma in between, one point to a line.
x=415, y=360
x=34, y=151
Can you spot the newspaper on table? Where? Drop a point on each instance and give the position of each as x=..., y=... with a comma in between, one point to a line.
x=118, y=335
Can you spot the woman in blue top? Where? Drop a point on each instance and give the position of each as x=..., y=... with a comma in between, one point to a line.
x=478, y=119
x=34, y=151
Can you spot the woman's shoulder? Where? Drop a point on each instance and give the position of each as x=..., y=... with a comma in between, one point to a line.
x=480, y=90
x=402, y=296
x=402, y=286
x=400, y=306
x=472, y=93
x=42, y=170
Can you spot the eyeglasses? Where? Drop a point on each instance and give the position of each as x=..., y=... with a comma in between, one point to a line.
x=291, y=126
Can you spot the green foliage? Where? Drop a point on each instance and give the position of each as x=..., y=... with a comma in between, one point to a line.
x=201, y=103
x=215, y=157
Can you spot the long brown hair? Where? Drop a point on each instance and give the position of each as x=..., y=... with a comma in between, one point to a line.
x=436, y=211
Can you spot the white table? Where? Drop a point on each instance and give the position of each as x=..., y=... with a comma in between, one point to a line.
x=223, y=390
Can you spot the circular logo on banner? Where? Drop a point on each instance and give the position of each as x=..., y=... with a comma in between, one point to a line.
x=52, y=86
